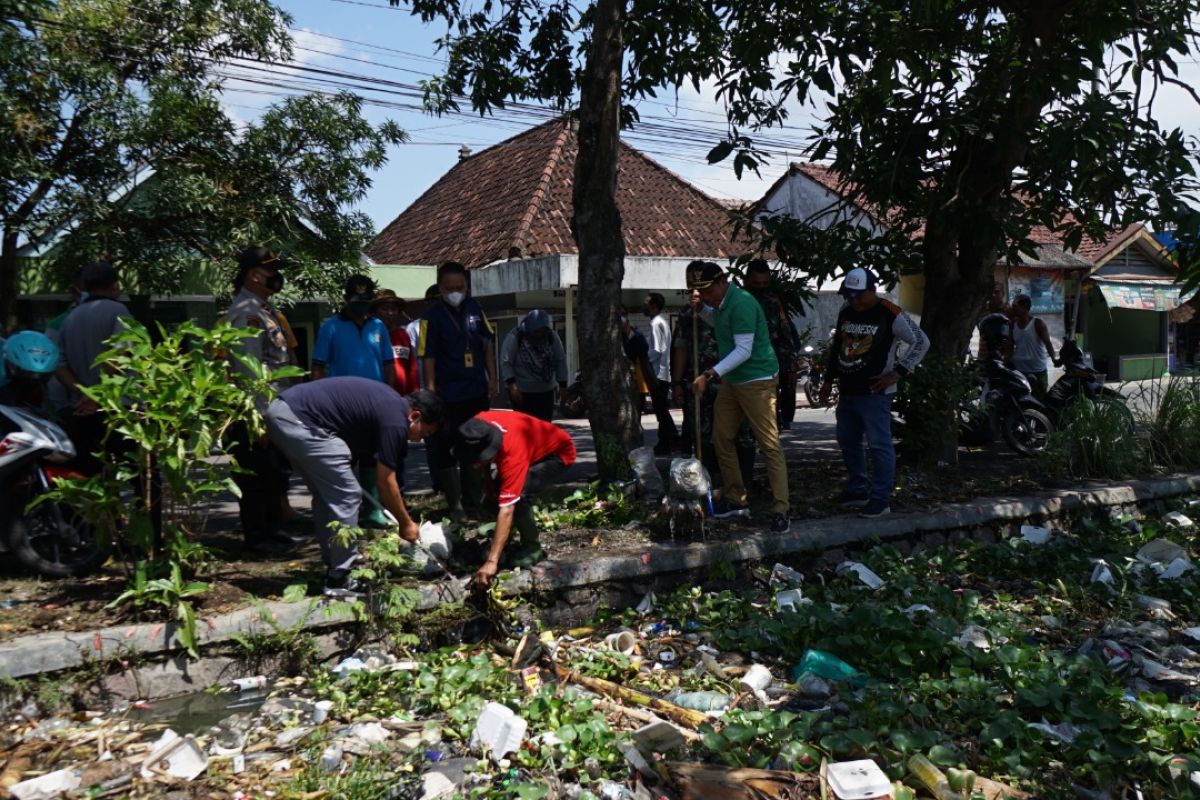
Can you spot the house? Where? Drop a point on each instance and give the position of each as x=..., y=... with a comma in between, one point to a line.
x=505, y=213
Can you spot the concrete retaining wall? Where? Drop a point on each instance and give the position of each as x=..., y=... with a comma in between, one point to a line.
x=169, y=673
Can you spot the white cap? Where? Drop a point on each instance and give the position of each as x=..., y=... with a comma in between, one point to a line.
x=857, y=281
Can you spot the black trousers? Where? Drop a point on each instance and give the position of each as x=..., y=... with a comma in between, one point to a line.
x=442, y=442
x=94, y=452
x=785, y=400
x=263, y=480
x=660, y=398
x=541, y=474
x=537, y=404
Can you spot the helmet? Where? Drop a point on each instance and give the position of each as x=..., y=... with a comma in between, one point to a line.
x=995, y=329
x=29, y=354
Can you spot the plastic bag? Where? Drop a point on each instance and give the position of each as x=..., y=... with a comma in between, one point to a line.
x=689, y=479
x=649, y=478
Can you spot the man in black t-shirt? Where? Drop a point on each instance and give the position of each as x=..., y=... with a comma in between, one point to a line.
x=323, y=427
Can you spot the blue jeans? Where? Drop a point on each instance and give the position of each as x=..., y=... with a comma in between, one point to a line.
x=869, y=414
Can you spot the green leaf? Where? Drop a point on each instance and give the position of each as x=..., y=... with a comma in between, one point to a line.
x=295, y=592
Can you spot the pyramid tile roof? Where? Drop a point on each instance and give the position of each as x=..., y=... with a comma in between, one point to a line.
x=517, y=195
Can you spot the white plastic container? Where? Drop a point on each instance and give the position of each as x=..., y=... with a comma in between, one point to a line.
x=321, y=710
x=621, y=641
x=858, y=780
x=658, y=737
x=498, y=731
x=788, y=600
x=757, y=678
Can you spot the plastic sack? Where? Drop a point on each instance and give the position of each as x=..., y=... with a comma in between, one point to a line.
x=433, y=540
x=689, y=479
x=649, y=478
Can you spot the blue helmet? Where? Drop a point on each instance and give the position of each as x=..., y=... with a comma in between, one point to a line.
x=29, y=354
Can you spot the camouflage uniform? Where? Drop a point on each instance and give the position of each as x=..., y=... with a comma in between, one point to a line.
x=784, y=342
x=681, y=339
x=267, y=472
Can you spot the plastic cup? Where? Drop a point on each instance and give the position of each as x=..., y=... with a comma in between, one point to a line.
x=321, y=710
x=622, y=641
x=757, y=677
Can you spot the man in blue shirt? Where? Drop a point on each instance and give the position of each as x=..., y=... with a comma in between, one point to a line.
x=323, y=427
x=457, y=346
x=353, y=343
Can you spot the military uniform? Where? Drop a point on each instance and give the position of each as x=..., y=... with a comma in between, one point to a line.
x=784, y=342
x=708, y=357
x=265, y=483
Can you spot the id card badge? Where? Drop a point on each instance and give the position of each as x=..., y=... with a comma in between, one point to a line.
x=469, y=359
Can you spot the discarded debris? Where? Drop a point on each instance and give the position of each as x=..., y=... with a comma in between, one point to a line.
x=858, y=780
x=498, y=731
x=827, y=666
x=1177, y=520
x=658, y=737
x=783, y=575
x=47, y=787
x=789, y=600
x=178, y=756
x=864, y=573
x=1035, y=534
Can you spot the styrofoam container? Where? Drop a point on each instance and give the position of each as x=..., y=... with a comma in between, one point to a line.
x=498, y=731
x=788, y=600
x=658, y=737
x=757, y=677
x=858, y=780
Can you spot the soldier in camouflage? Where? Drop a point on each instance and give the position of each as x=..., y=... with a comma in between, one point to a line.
x=782, y=333
x=264, y=484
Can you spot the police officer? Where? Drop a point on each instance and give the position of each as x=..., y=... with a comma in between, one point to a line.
x=264, y=484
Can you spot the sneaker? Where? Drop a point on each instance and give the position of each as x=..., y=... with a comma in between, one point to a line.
x=338, y=583
x=875, y=508
x=852, y=499
x=725, y=510
x=780, y=523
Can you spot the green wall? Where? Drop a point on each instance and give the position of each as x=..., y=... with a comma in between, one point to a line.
x=1114, y=332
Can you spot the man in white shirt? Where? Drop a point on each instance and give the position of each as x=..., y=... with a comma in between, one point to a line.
x=659, y=382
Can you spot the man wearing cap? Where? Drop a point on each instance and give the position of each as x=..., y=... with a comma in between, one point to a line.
x=528, y=454
x=865, y=359
x=324, y=427
x=533, y=365
x=749, y=384
x=459, y=352
x=83, y=337
x=264, y=482
x=354, y=343
x=389, y=309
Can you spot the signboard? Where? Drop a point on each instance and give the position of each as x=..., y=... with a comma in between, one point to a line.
x=1044, y=287
x=1140, y=296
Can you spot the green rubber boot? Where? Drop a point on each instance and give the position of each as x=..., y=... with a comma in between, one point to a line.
x=370, y=514
x=528, y=550
x=452, y=489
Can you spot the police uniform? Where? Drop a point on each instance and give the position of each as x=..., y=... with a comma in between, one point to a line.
x=266, y=481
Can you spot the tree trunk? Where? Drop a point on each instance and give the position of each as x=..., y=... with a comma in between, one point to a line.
x=8, y=280
x=957, y=286
x=616, y=427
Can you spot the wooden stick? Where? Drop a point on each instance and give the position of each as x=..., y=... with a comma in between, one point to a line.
x=682, y=716
x=645, y=717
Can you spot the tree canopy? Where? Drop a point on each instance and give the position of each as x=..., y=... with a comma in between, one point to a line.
x=115, y=142
x=969, y=124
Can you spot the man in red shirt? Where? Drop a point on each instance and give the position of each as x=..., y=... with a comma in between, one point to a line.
x=389, y=308
x=528, y=453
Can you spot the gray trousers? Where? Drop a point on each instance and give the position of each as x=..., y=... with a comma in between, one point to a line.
x=324, y=461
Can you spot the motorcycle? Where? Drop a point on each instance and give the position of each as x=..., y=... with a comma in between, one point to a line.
x=816, y=358
x=1079, y=380
x=573, y=405
x=47, y=537
x=1006, y=406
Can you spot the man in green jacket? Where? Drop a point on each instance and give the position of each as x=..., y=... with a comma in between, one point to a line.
x=749, y=375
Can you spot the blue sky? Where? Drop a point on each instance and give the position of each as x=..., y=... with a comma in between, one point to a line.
x=396, y=46
x=371, y=39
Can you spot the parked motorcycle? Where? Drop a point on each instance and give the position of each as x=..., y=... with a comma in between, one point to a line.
x=1006, y=406
x=46, y=537
x=816, y=359
x=1079, y=380
x=573, y=405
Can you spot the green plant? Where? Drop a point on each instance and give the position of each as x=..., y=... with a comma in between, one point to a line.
x=381, y=556
x=933, y=401
x=1093, y=439
x=588, y=508
x=1173, y=421
x=171, y=593
x=294, y=643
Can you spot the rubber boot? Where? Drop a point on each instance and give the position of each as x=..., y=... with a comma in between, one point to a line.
x=370, y=514
x=448, y=478
x=528, y=550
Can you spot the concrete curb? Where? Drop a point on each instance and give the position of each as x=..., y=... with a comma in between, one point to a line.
x=54, y=652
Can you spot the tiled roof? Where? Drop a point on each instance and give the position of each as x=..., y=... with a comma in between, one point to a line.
x=517, y=195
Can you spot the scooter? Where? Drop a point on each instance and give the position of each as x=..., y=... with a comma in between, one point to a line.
x=47, y=537
x=1006, y=406
x=1080, y=380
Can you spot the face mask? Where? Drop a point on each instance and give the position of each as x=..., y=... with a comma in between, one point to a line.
x=83, y=296
x=455, y=299
x=359, y=309
x=274, y=283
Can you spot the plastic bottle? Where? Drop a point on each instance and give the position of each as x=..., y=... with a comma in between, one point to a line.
x=827, y=666
x=933, y=778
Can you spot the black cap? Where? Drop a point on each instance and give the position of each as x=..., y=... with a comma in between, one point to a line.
x=98, y=275
x=259, y=256
x=702, y=274
x=477, y=441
